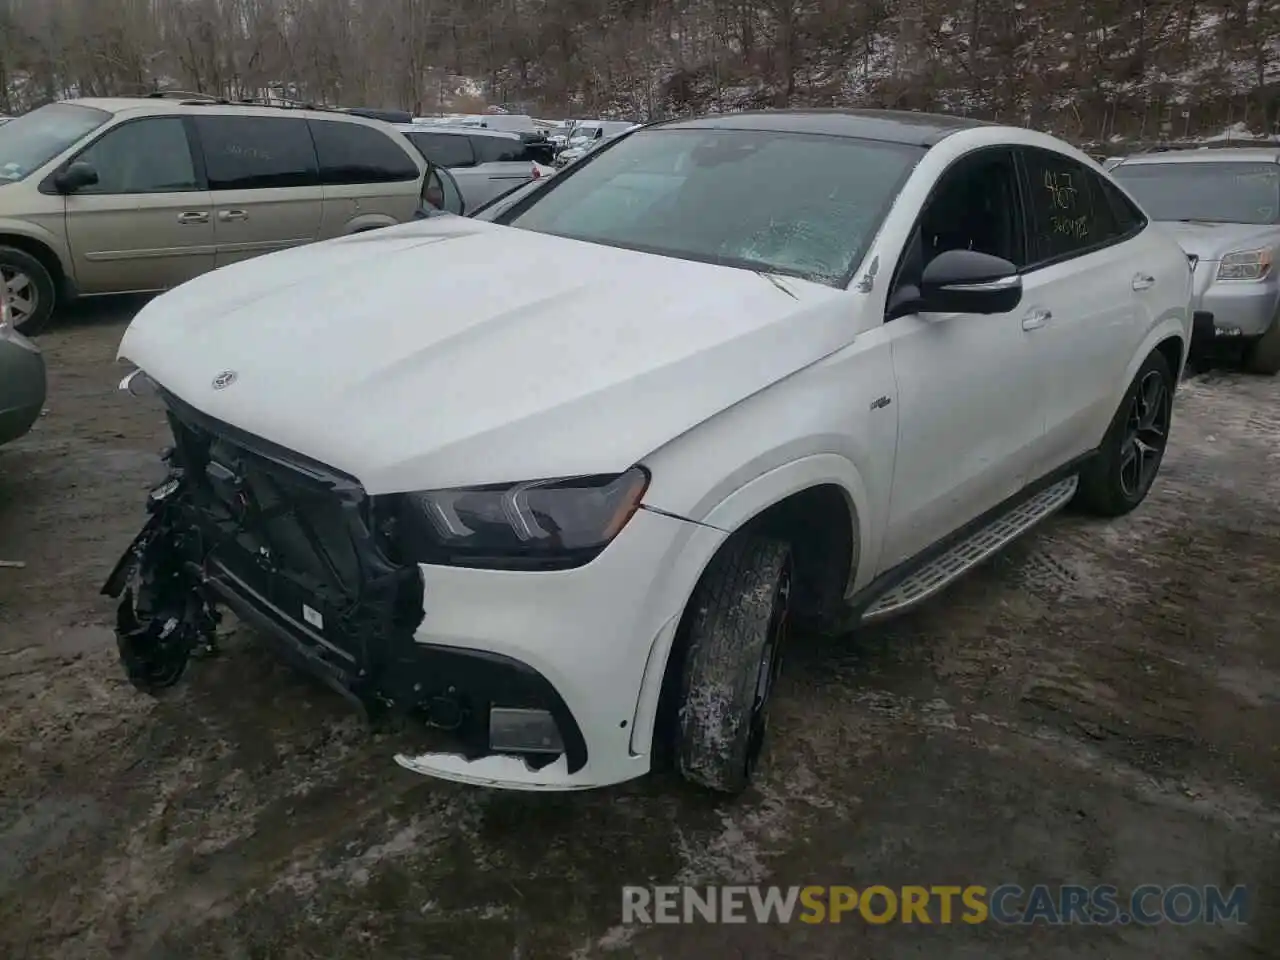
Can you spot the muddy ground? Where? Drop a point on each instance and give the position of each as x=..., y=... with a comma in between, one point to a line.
x=1099, y=705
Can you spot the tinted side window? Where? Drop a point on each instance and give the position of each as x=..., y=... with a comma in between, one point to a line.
x=146, y=156
x=353, y=153
x=1129, y=219
x=974, y=206
x=1069, y=211
x=498, y=149
x=446, y=149
x=257, y=153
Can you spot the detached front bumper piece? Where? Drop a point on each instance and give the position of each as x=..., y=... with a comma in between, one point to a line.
x=299, y=551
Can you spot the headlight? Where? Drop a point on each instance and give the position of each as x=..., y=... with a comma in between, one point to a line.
x=1245, y=265
x=538, y=525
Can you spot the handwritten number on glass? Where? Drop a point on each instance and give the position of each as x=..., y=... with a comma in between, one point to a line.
x=1062, y=191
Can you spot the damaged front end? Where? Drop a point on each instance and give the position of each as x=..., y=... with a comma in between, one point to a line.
x=299, y=551
x=288, y=545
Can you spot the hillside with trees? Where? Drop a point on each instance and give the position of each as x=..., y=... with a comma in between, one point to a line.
x=1090, y=69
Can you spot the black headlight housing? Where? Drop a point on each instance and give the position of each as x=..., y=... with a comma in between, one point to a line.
x=553, y=524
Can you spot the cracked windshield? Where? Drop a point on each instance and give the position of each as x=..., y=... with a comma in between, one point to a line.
x=794, y=204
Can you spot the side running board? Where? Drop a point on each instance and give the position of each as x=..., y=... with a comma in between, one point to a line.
x=970, y=552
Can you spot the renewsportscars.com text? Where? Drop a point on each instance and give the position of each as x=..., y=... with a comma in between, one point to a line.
x=1066, y=904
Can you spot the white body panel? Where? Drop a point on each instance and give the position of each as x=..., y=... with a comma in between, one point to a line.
x=732, y=392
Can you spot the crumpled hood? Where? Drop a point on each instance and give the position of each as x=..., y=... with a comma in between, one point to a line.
x=450, y=352
x=1212, y=241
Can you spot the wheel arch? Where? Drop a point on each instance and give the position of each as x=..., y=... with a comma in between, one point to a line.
x=793, y=491
x=787, y=501
x=1171, y=338
x=43, y=251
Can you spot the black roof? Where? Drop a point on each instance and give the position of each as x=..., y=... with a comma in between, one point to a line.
x=891, y=126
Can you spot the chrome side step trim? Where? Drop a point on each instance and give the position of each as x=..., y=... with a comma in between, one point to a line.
x=970, y=552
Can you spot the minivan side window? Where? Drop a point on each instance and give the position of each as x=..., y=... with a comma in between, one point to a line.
x=257, y=153
x=445, y=149
x=353, y=153
x=144, y=156
x=499, y=150
x=1070, y=213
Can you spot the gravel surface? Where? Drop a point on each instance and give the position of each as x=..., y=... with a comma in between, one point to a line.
x=1100, y=704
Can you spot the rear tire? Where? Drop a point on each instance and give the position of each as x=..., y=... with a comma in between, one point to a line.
x=736, y=633
x=1263, y=355
x=1119, y=478
x=33, y=294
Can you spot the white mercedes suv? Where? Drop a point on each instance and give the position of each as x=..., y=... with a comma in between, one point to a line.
x=734, y=373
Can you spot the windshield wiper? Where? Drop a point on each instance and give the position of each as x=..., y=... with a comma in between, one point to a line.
x=777, y=282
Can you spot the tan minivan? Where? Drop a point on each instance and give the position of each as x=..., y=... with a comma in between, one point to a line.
x=103, y=196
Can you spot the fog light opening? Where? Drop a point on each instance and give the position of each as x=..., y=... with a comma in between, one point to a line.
x=519, y=730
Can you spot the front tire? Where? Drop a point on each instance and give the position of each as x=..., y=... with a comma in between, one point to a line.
x=30, y=288
x=738, y=627
x=1119, y=478
x=1263, y=355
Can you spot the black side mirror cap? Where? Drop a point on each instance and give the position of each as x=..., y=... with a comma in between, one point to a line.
x=966, y=281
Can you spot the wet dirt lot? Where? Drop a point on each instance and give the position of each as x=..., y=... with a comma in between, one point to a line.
x=1101, y=704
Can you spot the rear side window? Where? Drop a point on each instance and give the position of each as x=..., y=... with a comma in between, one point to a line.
x=257, y=153
x=445, y=149
x=499, y=150
x=353, y=153
x=1069, y=212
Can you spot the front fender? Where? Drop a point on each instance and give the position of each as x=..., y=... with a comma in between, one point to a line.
x=33, y=230
x=36, y=229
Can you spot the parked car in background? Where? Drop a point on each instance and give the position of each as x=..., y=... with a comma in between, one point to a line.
x=1223, y=207
x=22, y=377
x=589, y=134
x=103, y=196
x=485, y=163
x=559, y=134
x=568, y=517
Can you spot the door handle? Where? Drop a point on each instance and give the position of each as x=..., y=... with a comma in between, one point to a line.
x=194, y=216
x=1036, y=319
x=233, y=215
x=1143, y=281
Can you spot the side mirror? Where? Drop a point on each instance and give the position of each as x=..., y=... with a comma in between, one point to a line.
x=965, y=281
x=440, y=192
x=79, y=175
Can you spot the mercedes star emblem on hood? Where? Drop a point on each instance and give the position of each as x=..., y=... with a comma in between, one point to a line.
x=223, y=380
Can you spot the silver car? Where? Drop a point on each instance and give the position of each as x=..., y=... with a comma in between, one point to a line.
x=485, y=163
x=1223, y=207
